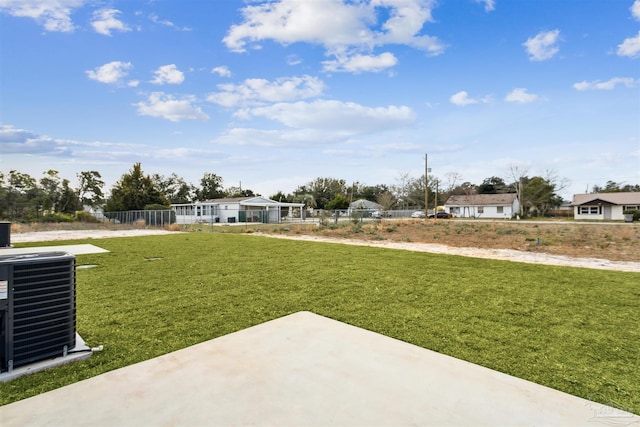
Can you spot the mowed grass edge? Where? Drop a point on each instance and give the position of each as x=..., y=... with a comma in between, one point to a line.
x=572, y=329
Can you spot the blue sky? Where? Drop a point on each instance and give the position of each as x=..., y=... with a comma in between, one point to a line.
x=273, y=94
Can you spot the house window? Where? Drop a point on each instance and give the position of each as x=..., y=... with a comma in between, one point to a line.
x=480, y=209
x=590, y=210
x=630, y=208
x=500, y=209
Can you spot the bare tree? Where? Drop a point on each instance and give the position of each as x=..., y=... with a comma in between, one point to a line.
x=468, y=188
x=415, y=192
x=386, y=200
x=518, y=173
x=451, y=182
x=551, y=175
x=400, y=190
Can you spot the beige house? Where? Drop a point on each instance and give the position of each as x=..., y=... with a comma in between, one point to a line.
x=604, y=206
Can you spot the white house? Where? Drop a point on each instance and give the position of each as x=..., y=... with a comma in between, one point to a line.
x=503, y=206
x=604, y=206
x=230, y=210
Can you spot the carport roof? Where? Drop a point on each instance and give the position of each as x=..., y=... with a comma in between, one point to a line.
x=244, y=201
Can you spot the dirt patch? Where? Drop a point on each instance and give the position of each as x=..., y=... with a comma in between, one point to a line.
x=612, y=241
x=613, y=246
x=503, y=254
x=600, y=246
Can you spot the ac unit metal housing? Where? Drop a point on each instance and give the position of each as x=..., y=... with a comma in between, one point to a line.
x=37, y=307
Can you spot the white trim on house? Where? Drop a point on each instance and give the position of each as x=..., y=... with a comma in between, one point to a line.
x=604, y=206
x=231, y=210
x=498, y=206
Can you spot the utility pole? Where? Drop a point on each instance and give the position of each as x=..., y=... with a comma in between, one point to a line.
x=426, y=186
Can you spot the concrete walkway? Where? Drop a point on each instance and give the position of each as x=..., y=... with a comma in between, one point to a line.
x=71, y=249
x=307, y=370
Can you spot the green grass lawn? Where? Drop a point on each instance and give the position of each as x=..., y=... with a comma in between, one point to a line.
x=575, y=330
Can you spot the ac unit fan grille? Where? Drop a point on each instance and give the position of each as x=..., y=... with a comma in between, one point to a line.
x=44, y=310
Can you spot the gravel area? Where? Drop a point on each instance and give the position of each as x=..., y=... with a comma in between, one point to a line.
x=503, y=254
x=49, y=236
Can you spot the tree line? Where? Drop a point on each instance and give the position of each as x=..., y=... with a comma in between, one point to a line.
x=52, y=198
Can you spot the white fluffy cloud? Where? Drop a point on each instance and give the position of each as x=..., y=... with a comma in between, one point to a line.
x=330, y=23
x=543, y=45
x=22, y=141
x=168, y=74
x=111, y=73
x=53, y=15
x=630, y=47
x=222, y=71
x=635, y=9
x=275, y=137
x=462, y=99
x=104, y=21
x=359, y=63
x=608, y=85
x=489, y=5
x=521, y=96
x=343, y=28
x=25, y=143
x=343, y=117
x=156, y=20
x=167, y=107
x=256, y=91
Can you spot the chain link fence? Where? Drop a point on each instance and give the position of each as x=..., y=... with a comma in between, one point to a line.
x=362, y=215
x=161, y=218
x=151, y=218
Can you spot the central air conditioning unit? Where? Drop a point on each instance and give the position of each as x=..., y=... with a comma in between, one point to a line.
x=37, y=307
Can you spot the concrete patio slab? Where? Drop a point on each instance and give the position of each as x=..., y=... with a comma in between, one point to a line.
x=307, y=370
x=80, y=352
x=71, y=249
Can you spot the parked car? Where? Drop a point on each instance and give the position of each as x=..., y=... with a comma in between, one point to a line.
x=418, y=214
x=440, y=214
x=380, y=214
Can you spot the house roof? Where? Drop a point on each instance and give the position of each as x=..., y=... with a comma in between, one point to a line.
x=505, y=199
x=364, y=204
x=630, y=198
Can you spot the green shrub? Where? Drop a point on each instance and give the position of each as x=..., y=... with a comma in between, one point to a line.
x=58, y=217
x=83, y=216
x=156, y=207
x=634, y=212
